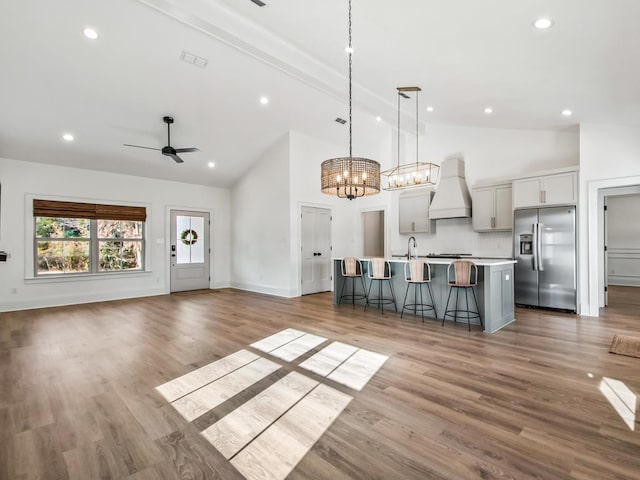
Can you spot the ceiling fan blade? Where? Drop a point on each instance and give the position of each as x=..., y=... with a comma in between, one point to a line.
x=187, y=150
x=175, y=157
x=140, y=146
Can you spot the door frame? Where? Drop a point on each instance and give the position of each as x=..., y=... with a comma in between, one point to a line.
x=296, y=270
x=360, y=227
x=166, y=242
x=596, y=191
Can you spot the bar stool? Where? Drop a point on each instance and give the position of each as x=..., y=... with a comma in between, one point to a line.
x=352, y=269
x=380, y=271
x=418, y=273
x=465, y=276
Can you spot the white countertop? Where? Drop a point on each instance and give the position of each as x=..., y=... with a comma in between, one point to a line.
x=481, y=262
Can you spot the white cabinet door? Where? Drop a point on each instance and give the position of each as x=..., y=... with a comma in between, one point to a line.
x=483, y=208
x=527, y=192
x=414, y=212
x=492, y=208
x=503, y=215
x=316, y=250
x=560, y=189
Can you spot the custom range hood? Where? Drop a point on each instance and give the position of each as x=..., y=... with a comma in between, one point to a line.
x=452, y=198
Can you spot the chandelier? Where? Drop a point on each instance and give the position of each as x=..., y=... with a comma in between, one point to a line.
x=350, y=177
x=416, y=174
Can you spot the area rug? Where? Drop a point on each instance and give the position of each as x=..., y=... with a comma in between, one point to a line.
x=625, y=345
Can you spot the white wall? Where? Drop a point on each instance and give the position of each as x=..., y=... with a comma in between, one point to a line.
x=609, y=158
x=623, y=240
x=21, y=181
x=261, y=242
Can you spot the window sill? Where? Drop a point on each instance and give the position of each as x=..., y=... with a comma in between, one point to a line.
x=85, y=276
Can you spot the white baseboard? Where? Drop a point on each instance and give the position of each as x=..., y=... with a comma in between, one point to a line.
x=278, y=292
x=624, y=281
x=64, y=300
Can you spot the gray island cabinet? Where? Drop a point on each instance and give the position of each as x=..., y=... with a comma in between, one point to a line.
x=494, y=290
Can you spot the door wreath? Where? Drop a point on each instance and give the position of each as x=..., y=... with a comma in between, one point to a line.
x=189, y=237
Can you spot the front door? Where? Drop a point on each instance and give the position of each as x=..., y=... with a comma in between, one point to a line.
x=189, y=251
x=316, y=250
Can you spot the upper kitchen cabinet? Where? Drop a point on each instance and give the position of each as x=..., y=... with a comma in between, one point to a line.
x=414, y=212
x=492, y=210
x=547, y=190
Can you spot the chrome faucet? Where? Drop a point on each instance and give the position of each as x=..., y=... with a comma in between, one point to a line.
x=415, y=246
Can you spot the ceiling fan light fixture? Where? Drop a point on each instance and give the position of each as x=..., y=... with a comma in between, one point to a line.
x=168, y=150
x=350, y=177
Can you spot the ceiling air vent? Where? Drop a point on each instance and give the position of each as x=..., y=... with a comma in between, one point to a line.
x=259, y=3
x=341, y=121
x=192, y=59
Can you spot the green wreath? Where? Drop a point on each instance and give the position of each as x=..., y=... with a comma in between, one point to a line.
x=189, y=237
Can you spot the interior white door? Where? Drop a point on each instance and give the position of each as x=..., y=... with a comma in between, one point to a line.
x=189, y=251
x=606, y=255
x=316, y=250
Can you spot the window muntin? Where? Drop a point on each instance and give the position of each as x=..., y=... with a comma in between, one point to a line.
x=67, y=246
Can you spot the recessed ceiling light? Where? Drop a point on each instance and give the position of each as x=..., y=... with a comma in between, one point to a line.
x=211, y=164
x=567, y=113
x=90, y=33
x=264, y=100
x=67, y=137
x=430, y=109
x=379, y=118
x=348, y=49
x=488, y=110
x=543, y=23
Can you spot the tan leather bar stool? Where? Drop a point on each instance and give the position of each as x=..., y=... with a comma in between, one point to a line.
x=351, y=269
x=418, y=273
x=462, y=274
x=380, y=271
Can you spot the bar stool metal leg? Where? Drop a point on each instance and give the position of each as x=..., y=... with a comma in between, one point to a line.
x=405, y=300
x=477, y=307
x=435, y=312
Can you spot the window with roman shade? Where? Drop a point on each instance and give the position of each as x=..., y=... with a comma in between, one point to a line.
x=74, y=238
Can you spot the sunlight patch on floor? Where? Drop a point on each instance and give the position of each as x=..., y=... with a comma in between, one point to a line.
x=269, y=434
x=621, y=398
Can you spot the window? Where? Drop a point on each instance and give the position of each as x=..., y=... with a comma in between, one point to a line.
x=120, y=245
x=73, y=238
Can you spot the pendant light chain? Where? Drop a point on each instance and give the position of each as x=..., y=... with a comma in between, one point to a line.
x=350, y=86
x=417, y=96
x=398, y=130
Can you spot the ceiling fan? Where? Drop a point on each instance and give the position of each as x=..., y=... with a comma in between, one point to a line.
x=168, y=150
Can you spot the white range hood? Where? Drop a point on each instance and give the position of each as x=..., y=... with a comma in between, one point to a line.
x=452, y=198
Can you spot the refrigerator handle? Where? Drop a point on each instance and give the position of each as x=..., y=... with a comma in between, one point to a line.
x=539, y=247
x=534, y=257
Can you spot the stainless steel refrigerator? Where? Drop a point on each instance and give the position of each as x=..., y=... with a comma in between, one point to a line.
x=545, y=248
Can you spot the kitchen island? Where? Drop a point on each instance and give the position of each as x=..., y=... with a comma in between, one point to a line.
x=494, y=290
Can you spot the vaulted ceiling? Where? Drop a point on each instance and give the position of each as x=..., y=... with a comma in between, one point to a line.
x=465, y=54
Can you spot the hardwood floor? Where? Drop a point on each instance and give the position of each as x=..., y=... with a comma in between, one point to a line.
x=78, y=396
